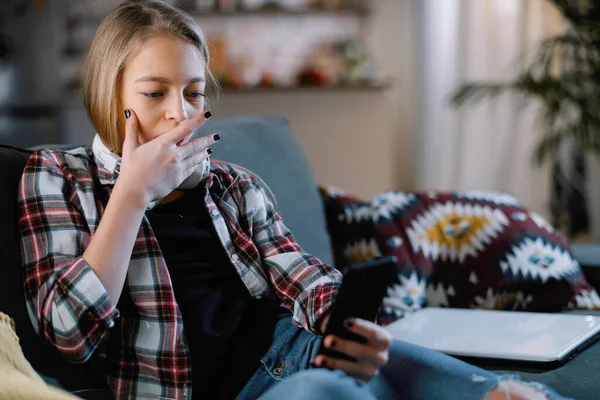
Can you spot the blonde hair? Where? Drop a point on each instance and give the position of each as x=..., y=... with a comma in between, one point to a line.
x=118, y=36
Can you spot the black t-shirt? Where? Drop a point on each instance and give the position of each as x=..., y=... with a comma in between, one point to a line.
x=228, y=330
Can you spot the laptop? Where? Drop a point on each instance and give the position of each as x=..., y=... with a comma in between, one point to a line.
x=547, y=339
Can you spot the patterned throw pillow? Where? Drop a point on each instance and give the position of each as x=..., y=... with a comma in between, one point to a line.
x=465, y=250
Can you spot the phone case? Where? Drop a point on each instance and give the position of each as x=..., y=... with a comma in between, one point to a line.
x=362, y=291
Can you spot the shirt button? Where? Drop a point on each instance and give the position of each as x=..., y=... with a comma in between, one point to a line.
x=234, y=257
x=215, y=212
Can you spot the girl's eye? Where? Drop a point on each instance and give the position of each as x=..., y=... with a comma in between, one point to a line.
x=196, y=95
x=153, y=95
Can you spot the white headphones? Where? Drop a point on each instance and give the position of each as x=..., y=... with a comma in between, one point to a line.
x=108, y=160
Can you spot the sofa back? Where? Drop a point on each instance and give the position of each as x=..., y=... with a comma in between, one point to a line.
x=267, y=147
x=44, y=358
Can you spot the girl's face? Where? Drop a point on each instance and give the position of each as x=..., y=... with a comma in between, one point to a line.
x=164, y=84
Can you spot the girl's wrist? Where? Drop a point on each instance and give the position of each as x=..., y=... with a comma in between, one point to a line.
x=131, y=195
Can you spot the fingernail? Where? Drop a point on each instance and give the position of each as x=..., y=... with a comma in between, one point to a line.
x=350, y=323
x=217, y=137
x=128, y=114
x=324, y=364
x=207, y=114
x=209, y=151
x=332, y=344
x=180, y=142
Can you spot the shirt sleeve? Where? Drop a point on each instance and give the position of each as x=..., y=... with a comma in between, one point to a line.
x=67, y=303
x=303, y=283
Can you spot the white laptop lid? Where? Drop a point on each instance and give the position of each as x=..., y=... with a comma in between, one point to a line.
x=511, y=335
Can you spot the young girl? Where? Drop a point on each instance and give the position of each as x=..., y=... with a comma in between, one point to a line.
x=176, y=275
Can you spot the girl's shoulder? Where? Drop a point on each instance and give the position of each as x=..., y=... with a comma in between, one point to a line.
x=64, y=159
x=246, y=181
x=75, y=165
x=233, y=174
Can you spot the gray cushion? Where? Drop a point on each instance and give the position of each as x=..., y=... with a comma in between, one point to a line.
x=267, y=147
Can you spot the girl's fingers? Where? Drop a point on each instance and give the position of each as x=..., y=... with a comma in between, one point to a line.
x=193, y=161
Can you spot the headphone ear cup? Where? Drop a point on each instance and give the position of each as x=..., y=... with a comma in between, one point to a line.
x=104, y=156
x=196, y=177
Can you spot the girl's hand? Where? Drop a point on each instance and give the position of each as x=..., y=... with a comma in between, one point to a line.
x=370, y=357
x=155, y=169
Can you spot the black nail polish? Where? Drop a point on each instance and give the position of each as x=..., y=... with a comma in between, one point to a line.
x=207, y=114
x=209, y=151
x=324, y=364
x=127, y=114
x=333, y=343
x=350, y=323
x=217, y=137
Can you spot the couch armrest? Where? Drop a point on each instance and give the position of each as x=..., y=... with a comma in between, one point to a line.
x=588, y=256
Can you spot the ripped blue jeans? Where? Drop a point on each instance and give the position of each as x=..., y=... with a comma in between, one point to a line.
x=413, y=372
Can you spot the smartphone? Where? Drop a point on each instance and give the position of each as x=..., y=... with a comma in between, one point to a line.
x=363, y=288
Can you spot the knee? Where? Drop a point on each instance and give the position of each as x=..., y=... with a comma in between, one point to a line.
x=514, y=390
x=316, y=384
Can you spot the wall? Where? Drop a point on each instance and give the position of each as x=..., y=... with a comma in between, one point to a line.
x=359, y=141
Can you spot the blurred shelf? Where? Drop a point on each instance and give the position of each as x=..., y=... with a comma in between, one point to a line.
x=356, y=87
x=358, y=10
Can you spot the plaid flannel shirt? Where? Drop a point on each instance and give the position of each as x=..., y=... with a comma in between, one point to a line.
x=140, y=344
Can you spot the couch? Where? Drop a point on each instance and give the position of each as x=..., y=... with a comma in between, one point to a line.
x=267, y=147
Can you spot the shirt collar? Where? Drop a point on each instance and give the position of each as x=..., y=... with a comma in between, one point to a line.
x=108, y=163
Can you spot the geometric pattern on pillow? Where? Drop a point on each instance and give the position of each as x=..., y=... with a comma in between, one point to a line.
x=471, y=249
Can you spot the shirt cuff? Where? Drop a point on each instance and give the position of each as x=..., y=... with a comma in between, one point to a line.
x=84, y=298
x=320, y=299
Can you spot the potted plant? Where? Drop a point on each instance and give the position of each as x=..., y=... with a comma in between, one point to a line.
x=563, y=78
